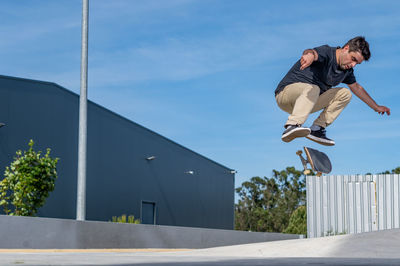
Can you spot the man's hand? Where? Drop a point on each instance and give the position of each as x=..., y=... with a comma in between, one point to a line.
x=308, y=57
x=382, y=110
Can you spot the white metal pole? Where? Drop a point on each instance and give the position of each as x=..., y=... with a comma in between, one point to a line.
x=81, y=189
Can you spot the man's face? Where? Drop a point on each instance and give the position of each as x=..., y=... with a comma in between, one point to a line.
x=348, y=59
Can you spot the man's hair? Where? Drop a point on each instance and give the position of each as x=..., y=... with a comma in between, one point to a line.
x=359, y=44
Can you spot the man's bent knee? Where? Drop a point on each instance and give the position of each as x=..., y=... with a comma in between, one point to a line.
x=345, y=94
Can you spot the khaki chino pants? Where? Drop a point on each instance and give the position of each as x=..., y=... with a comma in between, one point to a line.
x=301, y=99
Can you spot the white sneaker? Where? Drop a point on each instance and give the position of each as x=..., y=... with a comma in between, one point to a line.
x=294, y=131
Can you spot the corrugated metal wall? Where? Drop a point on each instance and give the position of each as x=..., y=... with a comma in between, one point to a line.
x=347, y=204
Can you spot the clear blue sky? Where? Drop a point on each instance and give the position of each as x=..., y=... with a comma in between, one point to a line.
x=202, y=72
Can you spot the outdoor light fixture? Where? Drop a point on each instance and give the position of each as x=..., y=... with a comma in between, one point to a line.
x=150, y=158
x=2, y=124
x=233, y=172
x=189, y=172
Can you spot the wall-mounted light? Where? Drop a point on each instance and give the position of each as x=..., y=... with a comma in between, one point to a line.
x=189, y=172
x=150, y=158
x=233, y=171
x=2, y=124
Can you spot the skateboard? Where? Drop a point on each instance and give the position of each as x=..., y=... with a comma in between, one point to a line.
x=318, y=161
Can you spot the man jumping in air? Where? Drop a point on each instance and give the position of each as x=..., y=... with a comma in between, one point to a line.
x=309, y=86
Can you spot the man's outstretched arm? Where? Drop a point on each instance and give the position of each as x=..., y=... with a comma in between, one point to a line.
x=308, y=57
x=361, y=93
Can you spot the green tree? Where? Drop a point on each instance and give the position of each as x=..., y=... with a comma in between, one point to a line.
x=298, y=222
x=265, y=204
x=28, y=182
x=394, y=171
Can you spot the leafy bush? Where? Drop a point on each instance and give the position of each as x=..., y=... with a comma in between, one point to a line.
x=266, y=204
x=298, y=222
x=28, y=182
x=122, y=219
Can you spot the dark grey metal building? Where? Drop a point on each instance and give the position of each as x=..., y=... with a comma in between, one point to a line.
x=178, y=187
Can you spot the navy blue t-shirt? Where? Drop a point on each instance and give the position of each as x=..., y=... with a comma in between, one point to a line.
x=325, y=72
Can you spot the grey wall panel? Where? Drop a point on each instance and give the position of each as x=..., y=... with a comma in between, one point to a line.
x=119, y=177
x=45, y=233
x=40, y=111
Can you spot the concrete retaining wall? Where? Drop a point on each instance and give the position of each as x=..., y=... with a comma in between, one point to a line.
x=43, y=233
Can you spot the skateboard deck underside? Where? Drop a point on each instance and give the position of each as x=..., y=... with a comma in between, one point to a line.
x=319, y=161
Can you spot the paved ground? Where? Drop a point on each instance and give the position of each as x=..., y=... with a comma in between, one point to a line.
x=155, y=260
x=376, y=248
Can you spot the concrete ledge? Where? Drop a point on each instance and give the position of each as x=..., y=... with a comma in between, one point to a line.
x=48, y=233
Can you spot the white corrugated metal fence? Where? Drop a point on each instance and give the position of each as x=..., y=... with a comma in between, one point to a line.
x=347, y=204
